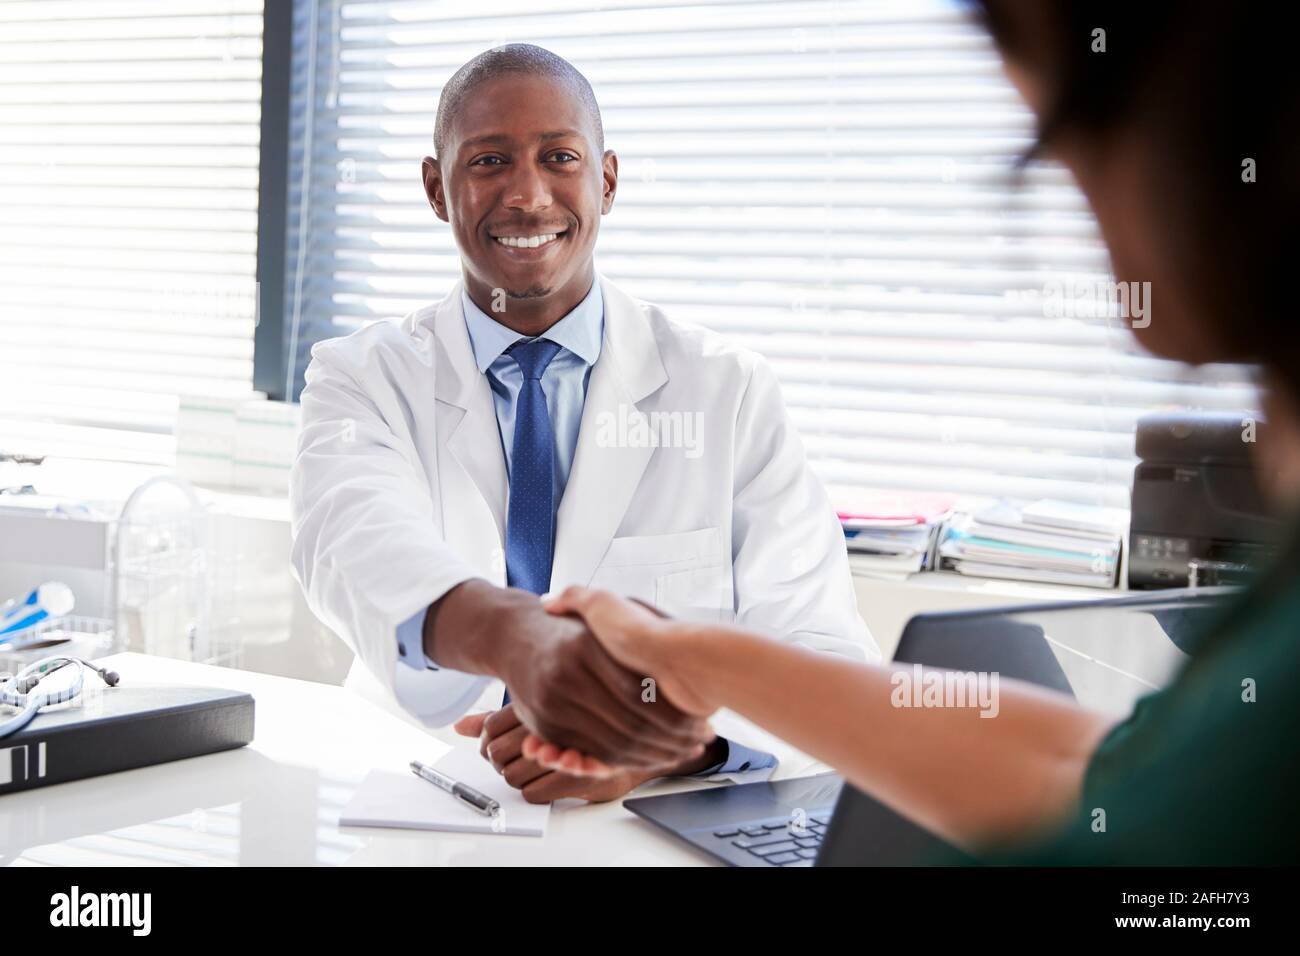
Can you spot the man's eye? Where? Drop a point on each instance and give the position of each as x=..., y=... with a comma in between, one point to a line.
x=488, y=161
x=564, y=156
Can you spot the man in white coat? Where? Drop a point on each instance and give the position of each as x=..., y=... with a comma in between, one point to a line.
x=537, y=428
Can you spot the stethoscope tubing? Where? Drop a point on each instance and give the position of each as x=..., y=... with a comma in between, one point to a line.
x=29, y=704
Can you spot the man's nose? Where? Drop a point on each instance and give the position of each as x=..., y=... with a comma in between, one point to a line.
x=527, y=190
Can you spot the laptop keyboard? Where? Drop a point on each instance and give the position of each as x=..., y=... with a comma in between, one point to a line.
x=782, y=842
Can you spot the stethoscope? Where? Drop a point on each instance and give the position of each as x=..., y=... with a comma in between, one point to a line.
x=16, y=689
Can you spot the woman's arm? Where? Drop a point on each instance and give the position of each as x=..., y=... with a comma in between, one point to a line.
x=977, y=780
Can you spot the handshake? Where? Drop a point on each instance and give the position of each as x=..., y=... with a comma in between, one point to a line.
x=601, y=696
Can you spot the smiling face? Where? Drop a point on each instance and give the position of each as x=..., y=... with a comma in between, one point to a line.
x=523, y=183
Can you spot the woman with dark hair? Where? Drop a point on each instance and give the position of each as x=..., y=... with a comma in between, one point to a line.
x=1178, y=120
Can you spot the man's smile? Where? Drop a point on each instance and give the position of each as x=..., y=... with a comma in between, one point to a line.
x=528, y=242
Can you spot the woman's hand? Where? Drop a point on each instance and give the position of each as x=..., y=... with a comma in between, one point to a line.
x=643, y=641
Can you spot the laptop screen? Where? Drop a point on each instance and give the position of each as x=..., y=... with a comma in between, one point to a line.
x=1106, y=653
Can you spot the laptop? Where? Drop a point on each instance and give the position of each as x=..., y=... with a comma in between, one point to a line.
x=1106, y=653
x=792, y=823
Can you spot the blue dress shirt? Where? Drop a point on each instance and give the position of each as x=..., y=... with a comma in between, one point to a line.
x=579, y=335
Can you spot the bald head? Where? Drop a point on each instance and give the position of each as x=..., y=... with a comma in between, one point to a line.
x=512, y=59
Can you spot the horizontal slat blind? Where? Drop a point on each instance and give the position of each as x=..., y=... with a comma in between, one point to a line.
x=128, y=218
x=828, y=183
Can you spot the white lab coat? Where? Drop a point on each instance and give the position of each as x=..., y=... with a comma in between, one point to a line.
x=399, y=493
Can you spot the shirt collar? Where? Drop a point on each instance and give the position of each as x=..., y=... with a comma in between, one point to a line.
x=580, y=331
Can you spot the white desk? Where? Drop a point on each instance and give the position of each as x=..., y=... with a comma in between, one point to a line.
x=278, y=800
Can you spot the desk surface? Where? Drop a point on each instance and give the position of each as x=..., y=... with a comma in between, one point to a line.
x=277, y=801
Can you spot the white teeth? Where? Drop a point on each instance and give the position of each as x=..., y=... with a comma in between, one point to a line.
x=527, y=242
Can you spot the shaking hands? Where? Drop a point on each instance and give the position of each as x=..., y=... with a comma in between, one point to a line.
x=642, y=641
x=568, y=688
x=601, y=694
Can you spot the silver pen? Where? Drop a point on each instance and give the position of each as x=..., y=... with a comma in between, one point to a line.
x=467, y=795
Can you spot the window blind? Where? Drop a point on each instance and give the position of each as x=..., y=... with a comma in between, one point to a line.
x=128, y=218
x=828, y=183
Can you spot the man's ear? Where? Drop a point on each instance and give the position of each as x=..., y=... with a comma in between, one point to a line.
x=610, y=174
x=433, y=187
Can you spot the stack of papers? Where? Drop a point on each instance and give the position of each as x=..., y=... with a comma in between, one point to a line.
x=890, y=534
x=1050, y=541
x=398, y=798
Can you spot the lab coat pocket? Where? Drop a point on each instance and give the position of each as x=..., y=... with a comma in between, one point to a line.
x=634, y=565
x=682, y=550
x=699, y=594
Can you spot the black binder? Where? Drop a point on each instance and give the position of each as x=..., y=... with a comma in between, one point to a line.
x=119, y=728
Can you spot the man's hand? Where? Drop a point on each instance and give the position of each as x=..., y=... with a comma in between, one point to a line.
x=563, y=685
x=501, y=736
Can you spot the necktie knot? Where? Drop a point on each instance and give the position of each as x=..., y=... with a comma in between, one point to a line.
x=533, y=356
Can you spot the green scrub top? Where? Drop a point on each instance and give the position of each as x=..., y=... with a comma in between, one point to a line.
x=1206, y=771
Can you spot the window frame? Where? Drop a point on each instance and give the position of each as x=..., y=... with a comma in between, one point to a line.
x=273, y=198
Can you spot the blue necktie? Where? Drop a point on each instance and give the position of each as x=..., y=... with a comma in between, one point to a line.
x=530, y=519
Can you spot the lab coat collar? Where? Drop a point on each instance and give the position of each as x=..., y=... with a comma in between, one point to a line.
x=604, y=477
x=465, y=415
x=629, y=346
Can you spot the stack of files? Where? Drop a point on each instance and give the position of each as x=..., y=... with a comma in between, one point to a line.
x=1049, y=541
x=891, y=534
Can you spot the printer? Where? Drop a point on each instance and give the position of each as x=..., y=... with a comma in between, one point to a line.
x=1199, y=517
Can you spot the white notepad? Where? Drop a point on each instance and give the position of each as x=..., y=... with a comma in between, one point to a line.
x=387, y=798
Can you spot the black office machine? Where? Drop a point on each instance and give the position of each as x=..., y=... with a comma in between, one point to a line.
x=1198, y=515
